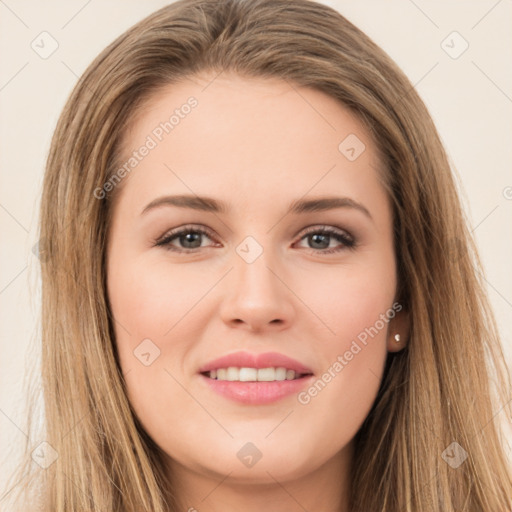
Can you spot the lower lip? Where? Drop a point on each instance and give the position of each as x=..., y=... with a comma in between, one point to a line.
x=257, y=393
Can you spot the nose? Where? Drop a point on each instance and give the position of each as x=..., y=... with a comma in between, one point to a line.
x=258, y=297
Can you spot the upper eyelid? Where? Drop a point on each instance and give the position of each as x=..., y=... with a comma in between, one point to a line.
x=189, y=227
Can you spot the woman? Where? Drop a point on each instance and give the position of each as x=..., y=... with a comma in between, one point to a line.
x=329, y=347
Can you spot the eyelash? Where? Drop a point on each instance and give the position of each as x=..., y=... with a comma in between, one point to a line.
x=347, y=240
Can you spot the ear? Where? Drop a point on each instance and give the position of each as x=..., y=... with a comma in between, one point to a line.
x=400, y=325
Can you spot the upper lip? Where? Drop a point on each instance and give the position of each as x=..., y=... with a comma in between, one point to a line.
x=263, y=360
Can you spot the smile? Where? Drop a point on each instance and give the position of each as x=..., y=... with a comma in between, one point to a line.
x=244, y=374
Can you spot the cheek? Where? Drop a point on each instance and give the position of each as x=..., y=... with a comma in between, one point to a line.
x=150, y=305
x=150, y=300
x=156, y=308
x=355, y=312
x=353, y=300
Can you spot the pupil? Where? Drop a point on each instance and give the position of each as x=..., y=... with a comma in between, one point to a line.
x=190, y=238
x=316, y=236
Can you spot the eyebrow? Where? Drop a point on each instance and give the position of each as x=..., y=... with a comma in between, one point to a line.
x=299, y=206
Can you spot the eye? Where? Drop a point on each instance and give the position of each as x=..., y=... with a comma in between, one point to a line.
x=322, y=237
x=189, y=236
x=189, y=239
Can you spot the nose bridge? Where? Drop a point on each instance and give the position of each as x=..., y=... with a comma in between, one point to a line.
x=253, y=273
x=256, y=294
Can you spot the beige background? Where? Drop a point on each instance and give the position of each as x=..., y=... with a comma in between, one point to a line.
x=469, y=97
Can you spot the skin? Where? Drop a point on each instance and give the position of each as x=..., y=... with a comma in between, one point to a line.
x=258, y=145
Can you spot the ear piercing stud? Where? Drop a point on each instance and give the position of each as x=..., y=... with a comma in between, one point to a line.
x=397, y=338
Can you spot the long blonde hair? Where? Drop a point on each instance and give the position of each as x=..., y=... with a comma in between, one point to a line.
x=437, y=391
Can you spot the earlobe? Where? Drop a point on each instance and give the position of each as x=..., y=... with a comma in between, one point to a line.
x=398, y=332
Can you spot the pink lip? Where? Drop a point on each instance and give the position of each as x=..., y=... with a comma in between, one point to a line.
x=248, y=360
x=255, y=393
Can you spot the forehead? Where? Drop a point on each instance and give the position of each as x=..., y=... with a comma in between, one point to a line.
x=265, y=136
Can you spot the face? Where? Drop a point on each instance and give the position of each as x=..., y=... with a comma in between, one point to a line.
x=190, y=281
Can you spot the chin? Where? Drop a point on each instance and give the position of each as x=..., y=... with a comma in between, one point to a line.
x=265, y=471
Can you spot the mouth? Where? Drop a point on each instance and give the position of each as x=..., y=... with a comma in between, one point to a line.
x=272, y=388
x=249, y=374
x=249, y=367
x=255, y=379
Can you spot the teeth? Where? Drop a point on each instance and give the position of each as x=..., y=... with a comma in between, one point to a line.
x=245, y=374
x=232, y=373
x=253, y=374
x=281, y=373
